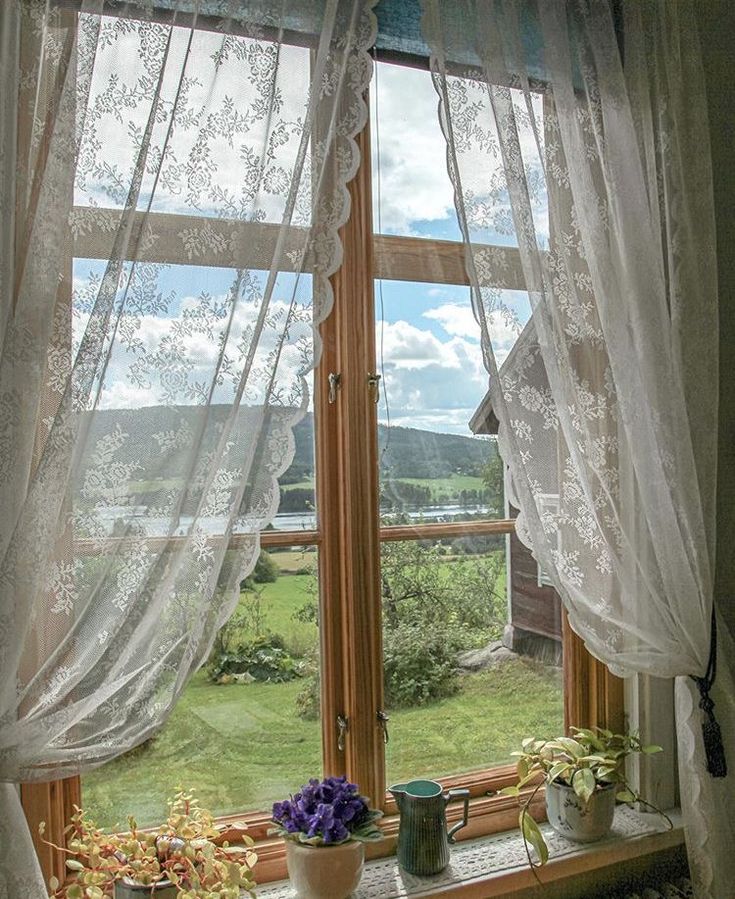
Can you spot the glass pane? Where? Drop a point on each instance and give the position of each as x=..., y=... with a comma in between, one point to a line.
x=432, y=466
x=246, y=729
x=166, y=301
x=412, y=193
x=212, y=170
x=459, y=698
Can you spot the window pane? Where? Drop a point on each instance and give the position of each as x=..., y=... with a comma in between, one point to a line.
x=458, y=698
x=432, y=466
x=412, y=193
x=211, y=146
x=246, y=730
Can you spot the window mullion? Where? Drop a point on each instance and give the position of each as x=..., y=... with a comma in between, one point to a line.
x=352, y=532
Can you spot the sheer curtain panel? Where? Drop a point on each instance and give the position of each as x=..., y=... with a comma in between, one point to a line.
x=582, y=140
x=173, y=178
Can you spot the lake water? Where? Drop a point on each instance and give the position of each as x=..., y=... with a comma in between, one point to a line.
x=154, y=526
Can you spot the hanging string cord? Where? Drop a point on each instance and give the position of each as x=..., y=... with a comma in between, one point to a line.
x=379, y=205
x=711, y=733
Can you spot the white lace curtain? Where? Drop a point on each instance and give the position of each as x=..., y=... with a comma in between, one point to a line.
x=585, y=144
x=172, y=185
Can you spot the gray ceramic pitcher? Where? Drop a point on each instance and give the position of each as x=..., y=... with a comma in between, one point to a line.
x=423, y=840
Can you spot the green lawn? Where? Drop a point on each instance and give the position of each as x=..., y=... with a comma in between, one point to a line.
x=242, y=746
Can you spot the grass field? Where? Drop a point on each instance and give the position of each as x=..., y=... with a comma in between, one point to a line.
x=242, y=746
x=441, y=488
x=450, y=485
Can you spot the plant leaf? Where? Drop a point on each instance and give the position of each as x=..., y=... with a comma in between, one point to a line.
x=532, y=834
x=509, y=791
x=625, y=796
x=650, y=750
x=584, y=784
x=522, y=767
x=556, y=770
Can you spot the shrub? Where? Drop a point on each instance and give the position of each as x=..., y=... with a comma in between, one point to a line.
x=262, y=658
x=308, y=699
x=419, y=665
x=265, y=572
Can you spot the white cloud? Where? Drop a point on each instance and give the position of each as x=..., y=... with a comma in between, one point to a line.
x=456, y=319
x=414, y=184
x=158, y=359
x=430, y=383
x=459, y=321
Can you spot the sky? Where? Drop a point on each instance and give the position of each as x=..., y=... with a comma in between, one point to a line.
x=427, y=337
x=430, y=340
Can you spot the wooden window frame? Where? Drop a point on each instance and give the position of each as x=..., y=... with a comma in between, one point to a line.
x=349, y=534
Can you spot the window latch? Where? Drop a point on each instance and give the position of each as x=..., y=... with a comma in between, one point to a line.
x=383, y=720
x=343, y=725
x=374, y=385
x=334, y=379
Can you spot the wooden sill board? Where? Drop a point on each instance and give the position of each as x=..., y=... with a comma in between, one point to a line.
x=496, y=865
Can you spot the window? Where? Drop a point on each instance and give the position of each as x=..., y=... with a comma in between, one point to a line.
x=388, y=560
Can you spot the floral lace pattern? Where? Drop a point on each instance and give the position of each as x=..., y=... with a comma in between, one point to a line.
x=181, y=181
x=607, y=404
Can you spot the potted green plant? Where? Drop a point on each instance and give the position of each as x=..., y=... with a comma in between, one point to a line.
x=325, y=825
x=584, y=775
x=185, y=858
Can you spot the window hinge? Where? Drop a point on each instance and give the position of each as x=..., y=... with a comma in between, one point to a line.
x=383, y=720
x=343, y=725
x=374, y=385
x=334, y=379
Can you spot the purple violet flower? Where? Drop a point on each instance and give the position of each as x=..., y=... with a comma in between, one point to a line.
x=328, y=811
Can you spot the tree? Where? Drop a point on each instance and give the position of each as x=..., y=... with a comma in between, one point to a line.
x=265, y=572
x=492, y=476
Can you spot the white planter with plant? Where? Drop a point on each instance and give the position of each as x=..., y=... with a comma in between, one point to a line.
x=584, y=775
x=325, y=825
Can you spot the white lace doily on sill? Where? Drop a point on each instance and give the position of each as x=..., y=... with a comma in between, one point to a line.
x=383, y=879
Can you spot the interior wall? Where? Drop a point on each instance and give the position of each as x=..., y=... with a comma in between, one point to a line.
x=716, y=28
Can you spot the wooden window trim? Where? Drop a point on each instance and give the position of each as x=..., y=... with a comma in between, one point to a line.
x=395, y=257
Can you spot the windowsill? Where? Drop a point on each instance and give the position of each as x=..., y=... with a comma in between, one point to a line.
x=497, y=866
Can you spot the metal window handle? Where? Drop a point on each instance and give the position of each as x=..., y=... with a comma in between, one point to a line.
x=343, y=726
x=374, y=385
x=383, y=720
x=334, y=379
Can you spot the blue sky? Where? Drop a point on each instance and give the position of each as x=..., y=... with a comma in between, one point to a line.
x=428, y=339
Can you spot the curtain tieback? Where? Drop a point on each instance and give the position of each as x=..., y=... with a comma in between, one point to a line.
x=711, y=733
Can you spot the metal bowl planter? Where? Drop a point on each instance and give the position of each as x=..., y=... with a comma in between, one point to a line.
x=575, y=819
x=324, y=872
x=129, y=889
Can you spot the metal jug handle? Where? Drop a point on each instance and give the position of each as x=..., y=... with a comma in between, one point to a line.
x=458, y=794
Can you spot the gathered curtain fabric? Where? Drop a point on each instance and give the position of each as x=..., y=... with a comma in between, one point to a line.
x=173, y=179
x=583, y=140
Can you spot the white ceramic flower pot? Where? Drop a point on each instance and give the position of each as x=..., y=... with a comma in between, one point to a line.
x=324, y=872
x=583, y=822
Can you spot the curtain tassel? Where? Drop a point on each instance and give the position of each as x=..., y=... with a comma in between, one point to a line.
x=711, y=733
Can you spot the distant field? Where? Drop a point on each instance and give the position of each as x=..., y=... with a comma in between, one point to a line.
x=451, y=484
